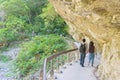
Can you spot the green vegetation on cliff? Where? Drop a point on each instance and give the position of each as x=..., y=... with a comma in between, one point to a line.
x=33, y=52
x=36, y=21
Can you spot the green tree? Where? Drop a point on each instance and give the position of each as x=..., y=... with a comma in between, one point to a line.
x=53, y=23
x=20, y=16
x=33, y=52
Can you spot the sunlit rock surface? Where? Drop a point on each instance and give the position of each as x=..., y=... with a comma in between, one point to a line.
x=98, y=20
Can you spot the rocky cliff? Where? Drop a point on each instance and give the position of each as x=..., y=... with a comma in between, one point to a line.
x=97, y=20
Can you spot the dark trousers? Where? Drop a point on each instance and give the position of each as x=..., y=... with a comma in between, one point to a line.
x=82, y=58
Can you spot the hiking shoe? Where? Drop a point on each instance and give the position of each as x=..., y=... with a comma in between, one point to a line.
x=83, y=66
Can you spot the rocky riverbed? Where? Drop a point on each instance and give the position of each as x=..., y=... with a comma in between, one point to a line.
x=7, y=68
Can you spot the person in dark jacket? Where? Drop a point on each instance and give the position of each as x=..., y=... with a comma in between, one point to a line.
x=91, y=53
x=82, y=52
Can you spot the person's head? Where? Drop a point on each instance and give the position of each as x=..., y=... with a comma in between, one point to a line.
x=84, y=40
x=91, y=43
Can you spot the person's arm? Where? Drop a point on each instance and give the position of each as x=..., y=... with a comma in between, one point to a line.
x=77, y=45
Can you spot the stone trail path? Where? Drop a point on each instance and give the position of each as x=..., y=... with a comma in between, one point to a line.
x=76, y=72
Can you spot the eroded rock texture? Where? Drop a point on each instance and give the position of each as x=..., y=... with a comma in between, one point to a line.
x=99, y=20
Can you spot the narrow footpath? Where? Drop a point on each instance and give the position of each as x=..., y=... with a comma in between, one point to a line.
x=76, y=72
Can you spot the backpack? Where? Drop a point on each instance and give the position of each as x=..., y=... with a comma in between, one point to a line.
x=82, y=48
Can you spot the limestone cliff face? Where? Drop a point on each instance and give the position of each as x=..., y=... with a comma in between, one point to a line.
x=98, y=20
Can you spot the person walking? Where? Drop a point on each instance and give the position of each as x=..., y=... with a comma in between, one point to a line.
x=91, y=53
x=82, y=50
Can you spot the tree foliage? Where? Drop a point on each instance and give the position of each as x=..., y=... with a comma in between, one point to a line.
x=53, y=22
x=34, y=19
x=34, y=51
x=26, y=17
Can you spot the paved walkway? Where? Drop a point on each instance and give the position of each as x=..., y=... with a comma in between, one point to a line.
x=76, y=72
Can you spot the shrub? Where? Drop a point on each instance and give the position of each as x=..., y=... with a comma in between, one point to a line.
x=4, y=58
x=33, y=52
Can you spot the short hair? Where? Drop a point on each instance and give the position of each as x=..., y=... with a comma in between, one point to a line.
x=83, y=40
